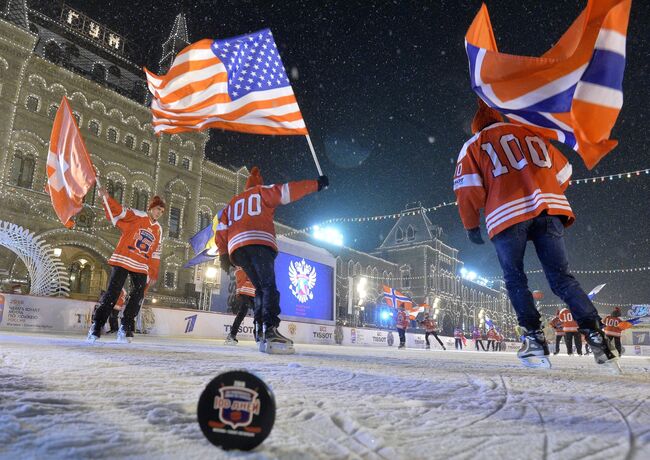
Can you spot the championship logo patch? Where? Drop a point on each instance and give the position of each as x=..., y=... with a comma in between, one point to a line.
x=236, y=411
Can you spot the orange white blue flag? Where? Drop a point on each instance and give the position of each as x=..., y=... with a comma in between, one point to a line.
x=573, y=93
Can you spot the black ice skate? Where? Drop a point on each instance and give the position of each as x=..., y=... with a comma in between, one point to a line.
x=93, y=333
x=230, y=340
x=275, y=343
x=600, y=347
x=534, y=351
x=427, y=347
x=401, y=346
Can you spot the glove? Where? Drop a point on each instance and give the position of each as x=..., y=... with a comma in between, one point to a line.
x=224, y=259
x=474, y=235
x=323, y=182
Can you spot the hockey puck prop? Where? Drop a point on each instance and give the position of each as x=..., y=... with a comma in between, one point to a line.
x=236, y=411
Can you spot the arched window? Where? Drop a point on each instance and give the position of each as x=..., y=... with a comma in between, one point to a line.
x=410, y=233
x=129, y=141
x=32, y=103
x=146, y=148
x=171, y=158
x=77, y=118
x=99, y=72
x=22, y=173
x=93, y=127
x=205, y=219
x=140, y=199
x=186, y=163
x=115, y=189
x=112, y=135
x=170, y=280
x=174, y=222
x=399, y=235
x=51, y=111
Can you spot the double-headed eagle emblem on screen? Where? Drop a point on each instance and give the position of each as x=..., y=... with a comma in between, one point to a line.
x=303, y=279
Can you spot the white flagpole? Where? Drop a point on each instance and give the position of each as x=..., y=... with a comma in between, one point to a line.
x=108, y=208
x=313, y=153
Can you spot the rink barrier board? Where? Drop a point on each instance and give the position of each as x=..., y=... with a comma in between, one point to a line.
x=60, y=315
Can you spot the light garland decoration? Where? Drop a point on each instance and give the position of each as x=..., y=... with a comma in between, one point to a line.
x=622, y=175
x=337, y=220
x=604, y=304
x=584, y=272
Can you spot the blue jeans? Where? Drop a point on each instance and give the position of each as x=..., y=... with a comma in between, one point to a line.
x=547, y=234
x=258, y=262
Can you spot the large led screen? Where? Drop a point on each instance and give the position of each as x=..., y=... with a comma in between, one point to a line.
x=305, y=287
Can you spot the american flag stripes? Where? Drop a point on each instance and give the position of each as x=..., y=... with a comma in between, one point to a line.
x=573, y=93
x=236, y=84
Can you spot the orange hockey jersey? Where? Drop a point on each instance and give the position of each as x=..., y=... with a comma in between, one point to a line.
x=248, y=218
x=244, y=285
x=568, y=323
x=513, y=174
x=402, y=321
x=140, y=245
x=556, y=324
x=430, y=325
x=611, y=326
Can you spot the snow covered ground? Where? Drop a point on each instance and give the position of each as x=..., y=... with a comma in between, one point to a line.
x=61, y=398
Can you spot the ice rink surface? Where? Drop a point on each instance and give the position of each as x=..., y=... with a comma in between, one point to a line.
x=61, y=398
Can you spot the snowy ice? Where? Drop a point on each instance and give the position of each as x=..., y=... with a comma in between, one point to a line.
x=62, y=398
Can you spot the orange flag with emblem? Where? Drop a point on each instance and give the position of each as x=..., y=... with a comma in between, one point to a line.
x=70, y=173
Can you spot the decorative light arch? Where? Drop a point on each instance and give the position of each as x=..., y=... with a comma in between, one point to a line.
x=46, y=271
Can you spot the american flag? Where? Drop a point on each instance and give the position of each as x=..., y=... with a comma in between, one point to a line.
x=236, y=84
x=573, y=93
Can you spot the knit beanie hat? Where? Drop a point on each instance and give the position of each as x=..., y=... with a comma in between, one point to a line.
x=156, y=201
x=485, y=116
x=254, y=179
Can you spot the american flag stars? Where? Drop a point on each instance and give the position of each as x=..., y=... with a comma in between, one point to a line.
x=253, y=63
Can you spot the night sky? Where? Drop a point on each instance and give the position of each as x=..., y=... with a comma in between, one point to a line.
x=384, y=90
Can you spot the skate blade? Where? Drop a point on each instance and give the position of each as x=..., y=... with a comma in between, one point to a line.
x=275, y=349
x=536, y=363
x=261, y=346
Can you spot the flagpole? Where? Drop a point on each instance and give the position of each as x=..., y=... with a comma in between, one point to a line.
x=313, y=153
x=108, y=208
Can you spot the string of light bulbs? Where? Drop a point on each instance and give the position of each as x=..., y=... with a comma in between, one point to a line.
x=584, y=272
x=397, y=215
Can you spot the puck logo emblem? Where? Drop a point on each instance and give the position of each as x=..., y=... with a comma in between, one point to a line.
x=237, y=405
